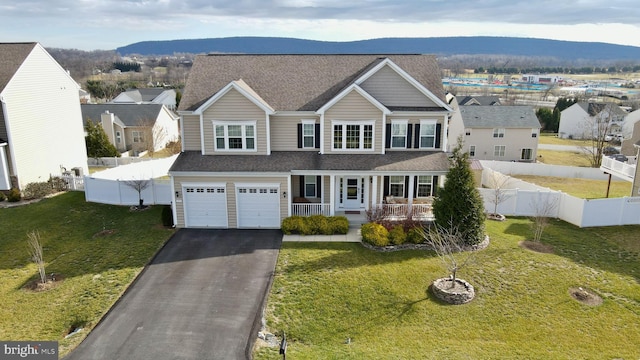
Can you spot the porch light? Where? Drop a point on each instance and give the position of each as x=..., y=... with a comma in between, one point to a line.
x=284, y=194
x=177, y=194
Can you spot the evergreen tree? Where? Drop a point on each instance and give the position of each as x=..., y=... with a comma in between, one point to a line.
x=459, y=205
x=98, y=144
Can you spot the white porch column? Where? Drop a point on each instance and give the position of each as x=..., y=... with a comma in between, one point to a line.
x=332, y=195
x=374, y=193
x=411, y=188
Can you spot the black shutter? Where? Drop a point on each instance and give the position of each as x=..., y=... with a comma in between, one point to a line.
x=299, y=136
x=302, y=186
x=387, y=141
x=438, y=133
x=318, y=186
x=434, y=187
x=409, y=128
x=385, y=190
x=416, y=143
x=415, y=187
x=406, y=187
x=317, y=132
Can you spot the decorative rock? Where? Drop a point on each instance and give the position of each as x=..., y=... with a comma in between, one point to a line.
x=462, y=293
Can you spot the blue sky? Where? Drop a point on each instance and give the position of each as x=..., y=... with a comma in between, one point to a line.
x=108, y=24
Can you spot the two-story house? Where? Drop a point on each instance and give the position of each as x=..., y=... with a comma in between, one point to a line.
x=41, y=130
x=589, y=120
x=163, y=96
x=134, y=127
x=269, y=136
x=504, y=133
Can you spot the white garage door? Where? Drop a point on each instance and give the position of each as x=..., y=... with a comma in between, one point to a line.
x=205, y=206
x=258, y=206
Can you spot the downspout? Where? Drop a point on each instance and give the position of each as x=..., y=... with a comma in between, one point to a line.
x=445, y=132
x=202, y=150
x=322, y=133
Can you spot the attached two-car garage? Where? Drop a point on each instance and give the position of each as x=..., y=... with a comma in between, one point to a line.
x=247, y=206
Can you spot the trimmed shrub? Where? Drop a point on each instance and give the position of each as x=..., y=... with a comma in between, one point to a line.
x=14, y=195
x=318, y=225
x=339, y=224
x=375, y=234
x=167, y=216
x=294, y=225
x=37, y=190
x=397, y=236
x=414, y=236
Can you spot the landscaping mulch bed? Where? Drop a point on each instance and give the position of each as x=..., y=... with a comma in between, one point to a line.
x=537, y=246
x=35, y=285
x=585, y=296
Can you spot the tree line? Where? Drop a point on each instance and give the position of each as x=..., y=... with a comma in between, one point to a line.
x=558, y=70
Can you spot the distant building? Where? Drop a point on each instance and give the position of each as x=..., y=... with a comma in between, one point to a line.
x=542, y=79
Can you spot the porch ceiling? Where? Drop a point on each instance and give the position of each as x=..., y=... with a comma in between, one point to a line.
x=286, y=161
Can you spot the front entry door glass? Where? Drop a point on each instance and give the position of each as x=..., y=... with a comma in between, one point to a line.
x=352, y=193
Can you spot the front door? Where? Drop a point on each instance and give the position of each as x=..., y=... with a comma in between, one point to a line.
x=352, y=193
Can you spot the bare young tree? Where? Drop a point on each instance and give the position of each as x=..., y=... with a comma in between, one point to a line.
x=595, y=130
x=35, y=250
x=138, y=186
x=150, y=136
x=499, y=189
x=448, y=244
x=544, y=208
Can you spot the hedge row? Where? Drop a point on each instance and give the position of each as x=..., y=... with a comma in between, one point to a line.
x=378, y=235
x=315, y=225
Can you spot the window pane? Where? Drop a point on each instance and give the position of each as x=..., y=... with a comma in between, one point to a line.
x=251, y=143
x=427, y=142
x=220, y=143
x=368, y=136
x=234, y=130
x=424, y=190
x=428, y=129
x=219, y=130
x=309, y=142
x=398, y=142
x=308, y=129
x=249, y=130
x=235, y=143
x=353, y=136
x=398, y=129
x=337, y=137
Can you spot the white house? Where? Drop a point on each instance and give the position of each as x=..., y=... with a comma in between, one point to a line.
x=630, y=133
x=586, y=120
x=41, y=130
x=166, y=97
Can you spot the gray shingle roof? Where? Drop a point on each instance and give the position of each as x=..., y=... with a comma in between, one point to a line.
x=286, y=161
x=297, y=82
x=499, y=117
x=12, y=55
x=594, y=109
x=129, y=114
x=483, y=100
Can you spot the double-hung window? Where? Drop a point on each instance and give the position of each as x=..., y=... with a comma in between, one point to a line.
x=498, y=150
x=352, y=135
x=308, y=134
x=527, y=154
x=427, y=134
x=399, y=134
x=310, y=185
x=137, y=136
x=425, y=185
x=396, y=186
x=235, y=136
x=498, y=133
x=472, y=150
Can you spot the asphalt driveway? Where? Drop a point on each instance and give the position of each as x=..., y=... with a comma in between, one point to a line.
x=200, y=298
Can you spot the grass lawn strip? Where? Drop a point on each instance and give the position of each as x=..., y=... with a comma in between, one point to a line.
x=97, y=265
x=326, y=293
x=581, y=188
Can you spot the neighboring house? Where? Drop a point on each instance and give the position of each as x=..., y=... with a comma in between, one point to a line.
x=147, y=96
x=40, y=119
x=630, y=133
x=588, y=120
x=506, y=133
x=478, y=100
x=269, y=136
x=133, y=127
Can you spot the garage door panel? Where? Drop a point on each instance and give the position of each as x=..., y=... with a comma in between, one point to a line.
x=258, y=206
x=205, y=206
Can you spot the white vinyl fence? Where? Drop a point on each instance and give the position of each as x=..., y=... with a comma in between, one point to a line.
x=520, y=198
x=117, y=192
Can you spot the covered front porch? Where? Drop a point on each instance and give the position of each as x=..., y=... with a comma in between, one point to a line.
x=394, y=196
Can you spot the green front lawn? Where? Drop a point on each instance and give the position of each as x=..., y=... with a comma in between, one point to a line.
x=581, y=188
x=96, y=249
x=325, y=293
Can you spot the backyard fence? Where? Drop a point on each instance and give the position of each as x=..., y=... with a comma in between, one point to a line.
x=120, y=192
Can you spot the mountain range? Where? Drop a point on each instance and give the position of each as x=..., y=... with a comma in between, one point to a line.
x=440, y=46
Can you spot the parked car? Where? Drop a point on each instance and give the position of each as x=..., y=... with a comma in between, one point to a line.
x=619, y=157
x=610, y=150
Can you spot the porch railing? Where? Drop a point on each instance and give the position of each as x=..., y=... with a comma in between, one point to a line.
x=418, y=212
x=308, y=209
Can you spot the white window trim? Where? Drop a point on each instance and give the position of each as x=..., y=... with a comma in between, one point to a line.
x=521, y=153
x=497, y=153
x=534, y=133
x=435, y=132
x=430, y=183
x=344, y=134
x=499, y=133
x=118, y=137
x=315, y=186
x=474, y=150
x=313, y=123
x=397, y=183
x=244, y=135
x=137, y=136
x=406, y=133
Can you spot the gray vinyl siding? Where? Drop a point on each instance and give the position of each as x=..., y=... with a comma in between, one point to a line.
x=284, y=132
x=234, y=106
x=353, y=107
x=191, y=132
x=42, y=112
x=388, y=87
x=229, y=181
